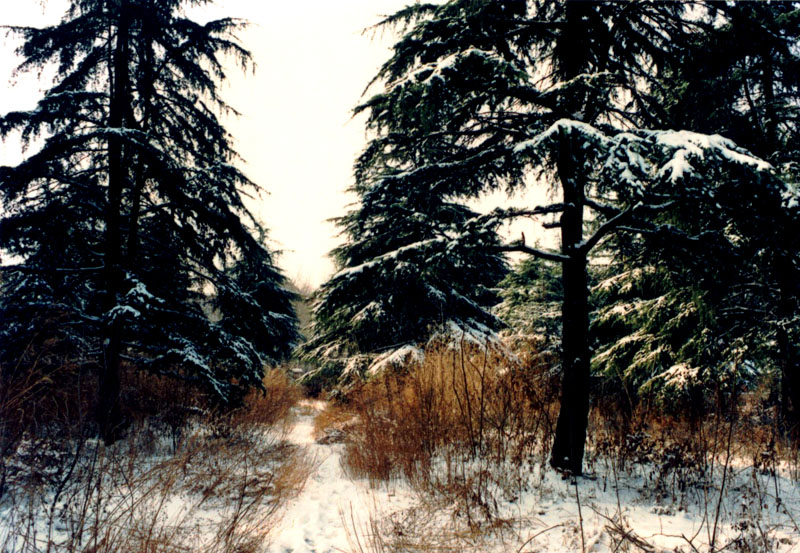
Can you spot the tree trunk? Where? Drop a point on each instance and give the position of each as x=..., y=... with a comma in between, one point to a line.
x=770, y=113
x=789, y=356
x=146, y=91
x=109, y=415
x=570, y=438
x=790, y=383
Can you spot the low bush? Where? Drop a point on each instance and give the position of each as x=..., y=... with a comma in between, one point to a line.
x=472, y=429
x=183, y=479
x=462, y=407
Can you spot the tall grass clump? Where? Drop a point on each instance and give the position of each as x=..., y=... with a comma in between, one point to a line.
x=442, y=421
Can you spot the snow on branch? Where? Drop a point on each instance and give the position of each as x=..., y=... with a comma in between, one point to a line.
x=548, y=138
x=394, y=358
x=514, y=212
x=686, y=144
x=638, y=155
x=615, y=223
x=427, y=73
x=791, y=196
x=521, y=247
x=393, y=255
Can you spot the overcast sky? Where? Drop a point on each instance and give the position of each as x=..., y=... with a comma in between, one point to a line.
x=296, y=132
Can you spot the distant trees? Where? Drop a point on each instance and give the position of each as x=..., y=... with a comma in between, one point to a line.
x=407, y=269
x=505, y=94
x=405, y=273
x=128, y=238
x=532, y=295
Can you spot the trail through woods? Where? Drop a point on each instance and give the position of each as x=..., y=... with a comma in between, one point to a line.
x=644, y=505
x=331, y=504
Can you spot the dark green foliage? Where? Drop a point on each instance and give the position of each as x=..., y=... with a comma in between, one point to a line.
x=731, y=249
x=684, y=302
x=413, y=262
x=741, y=77
x=532, y=295
x=405, y=274
x=128, y=224
x=481, y=95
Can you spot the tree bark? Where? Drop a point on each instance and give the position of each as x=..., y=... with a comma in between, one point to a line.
x=570, y=437
x=789, y=356
x=146, y=91
x=109, y=416
x=770, y=113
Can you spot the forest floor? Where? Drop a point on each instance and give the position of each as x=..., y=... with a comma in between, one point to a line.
x=330, y=512
x=647, y=508
x=247, y=487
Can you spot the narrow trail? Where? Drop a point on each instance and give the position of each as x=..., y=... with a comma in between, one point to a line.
x=314, y=521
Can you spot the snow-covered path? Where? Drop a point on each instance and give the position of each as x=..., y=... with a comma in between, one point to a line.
x=313, y=522
x=549, y=515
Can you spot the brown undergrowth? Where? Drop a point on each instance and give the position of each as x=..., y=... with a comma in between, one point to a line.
x=443, y=423
x=472, y=429
x=187, y=479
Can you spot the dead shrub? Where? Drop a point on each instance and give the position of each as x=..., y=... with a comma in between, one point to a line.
x=218, y=489
x=185, y=478
x=473, y=429
x=461, y=402
x=273, y=404
x=333, y=422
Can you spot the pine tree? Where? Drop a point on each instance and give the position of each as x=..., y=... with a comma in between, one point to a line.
x=405, y=275
x=128, y=226
x=406, y=272
x=507, y=93
x=754, y=45
x=531, y=296
x=737, y=79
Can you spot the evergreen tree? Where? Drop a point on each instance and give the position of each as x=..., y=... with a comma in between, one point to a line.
x=532, y=296
x=406, y=271
x=505, y=93
x=737, y=78
x=405, y=274
x=128, y=225
x=755, y=78
x=740, y=78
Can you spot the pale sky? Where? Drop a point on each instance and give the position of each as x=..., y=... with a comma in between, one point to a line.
x=296, y=132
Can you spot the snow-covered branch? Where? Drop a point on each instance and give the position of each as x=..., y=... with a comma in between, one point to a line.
x=521, y=247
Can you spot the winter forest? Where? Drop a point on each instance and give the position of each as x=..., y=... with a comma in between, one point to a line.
x=607, y=359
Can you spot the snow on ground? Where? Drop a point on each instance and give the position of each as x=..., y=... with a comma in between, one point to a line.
x=215, y=489
x=525, y=507
x=332, y=505
x=664, y=509
x=592, y=514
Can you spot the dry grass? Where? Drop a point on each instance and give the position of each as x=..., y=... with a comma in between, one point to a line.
x=272, y=406
x=421, y=530
x=472, y=430
x=473, y=402
x=334, y=419
x=482, y=405
x=213, y=483
x=446, y=423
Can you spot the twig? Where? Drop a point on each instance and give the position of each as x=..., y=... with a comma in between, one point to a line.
x=627, y=534
x=537, y=534
x=580, y=515
x=725, y=468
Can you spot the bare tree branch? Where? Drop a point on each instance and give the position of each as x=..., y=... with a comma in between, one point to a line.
x=522, y=248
